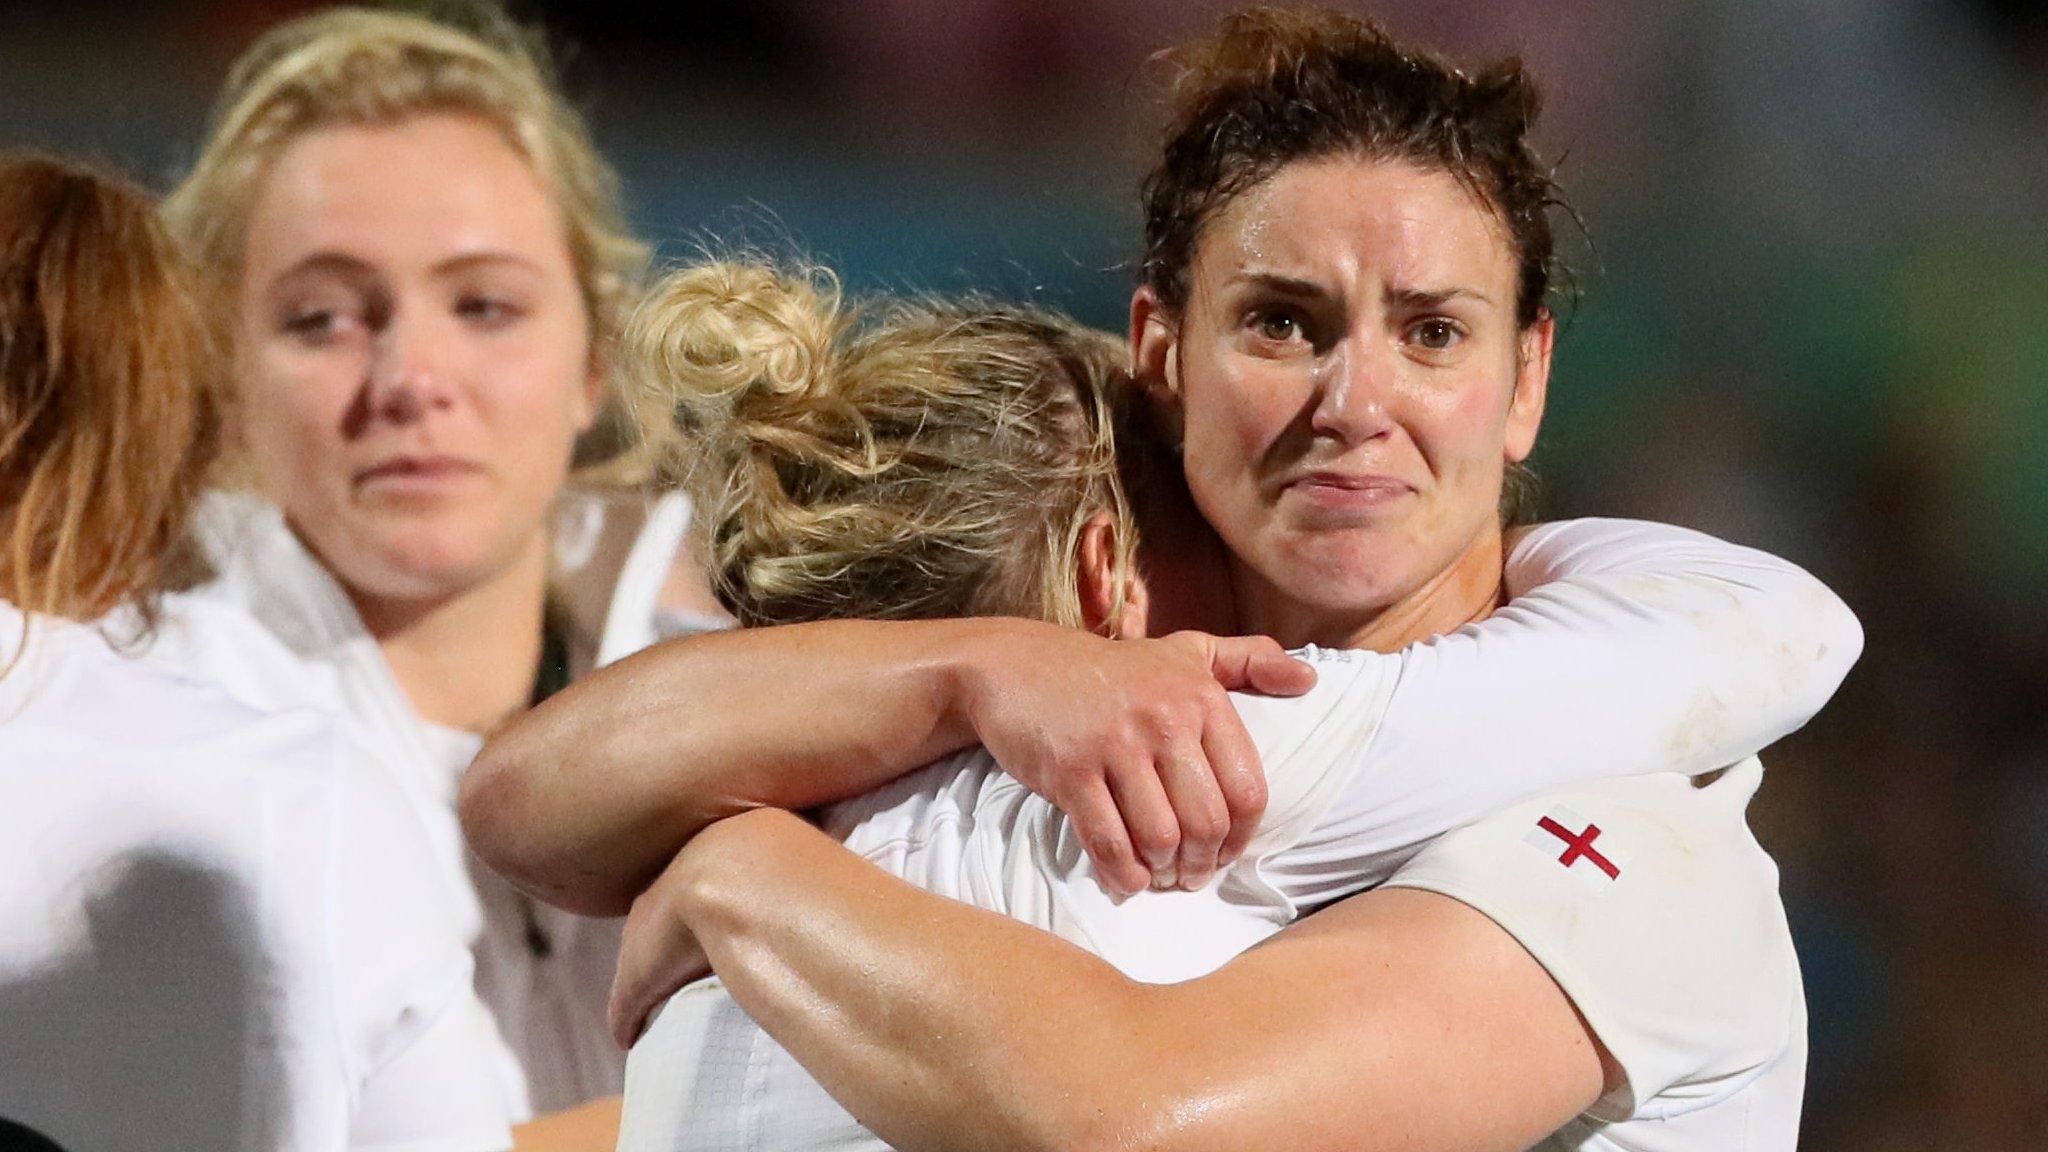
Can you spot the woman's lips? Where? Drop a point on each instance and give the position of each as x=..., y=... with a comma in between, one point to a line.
x=1350, y=490
x=417, y=475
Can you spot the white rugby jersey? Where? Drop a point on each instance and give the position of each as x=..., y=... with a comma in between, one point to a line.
x=1629, y=648
x=541, y=971
x=212, y=934
x=1652, y=906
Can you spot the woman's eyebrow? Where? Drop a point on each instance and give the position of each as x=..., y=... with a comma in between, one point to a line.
x=1277, y=282
x=1413, y=297
x=327, y=261
x=468, y=260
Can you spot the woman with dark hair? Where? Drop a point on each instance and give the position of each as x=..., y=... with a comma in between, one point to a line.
x=209, y=933
x=1344, y=310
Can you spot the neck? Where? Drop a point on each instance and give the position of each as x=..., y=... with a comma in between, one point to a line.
x=466, y=660
x=1468, y=589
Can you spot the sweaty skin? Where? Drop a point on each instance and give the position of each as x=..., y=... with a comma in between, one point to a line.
x=1348, y=417
x=1351, y=379
x=989, y=1033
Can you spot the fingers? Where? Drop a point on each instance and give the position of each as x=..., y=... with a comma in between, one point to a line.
x=1258, y=664
x=631, y=1000
x=1107, y=839
x=657, y=956
x=1275, y=673
x=624, y=1011
x=1169, y=785
x=1203, y=817
x=1240, y=778
x=1149, y=817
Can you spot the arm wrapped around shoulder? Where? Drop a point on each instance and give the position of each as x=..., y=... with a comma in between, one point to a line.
x=1756, y=645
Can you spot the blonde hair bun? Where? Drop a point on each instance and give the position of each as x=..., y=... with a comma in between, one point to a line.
x=893, y=459
x=715, y=335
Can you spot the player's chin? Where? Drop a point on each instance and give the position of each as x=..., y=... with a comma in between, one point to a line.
x=1344, y=574
x=427, y=557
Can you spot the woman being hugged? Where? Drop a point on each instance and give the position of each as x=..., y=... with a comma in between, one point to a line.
x=423, y=267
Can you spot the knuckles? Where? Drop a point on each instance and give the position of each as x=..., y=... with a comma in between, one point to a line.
x=1157, y=839
x=1105, y=848
x=1207, y=826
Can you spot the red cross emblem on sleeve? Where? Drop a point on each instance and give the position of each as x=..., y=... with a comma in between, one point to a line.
x=1570, y=839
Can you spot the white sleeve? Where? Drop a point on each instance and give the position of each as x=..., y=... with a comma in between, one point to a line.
x=1628, y=648
x=428, y=1063
x=1650, y=904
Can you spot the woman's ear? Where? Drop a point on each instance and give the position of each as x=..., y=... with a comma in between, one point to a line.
x=1155, y=363
x=1099, y=583
x=1532, y=387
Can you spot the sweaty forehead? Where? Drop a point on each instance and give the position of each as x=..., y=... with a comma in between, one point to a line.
x=1346, y=224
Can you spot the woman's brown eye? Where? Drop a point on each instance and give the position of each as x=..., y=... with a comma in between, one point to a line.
x=1278, y=326
x=1436, y=334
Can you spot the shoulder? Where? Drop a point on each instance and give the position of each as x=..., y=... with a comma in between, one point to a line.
x=261, y=569
x=920, y=826
x=106, y=754
x=1352, y=689
x=1609, y=539
x=1313, y=745
x=1652, y=906
x=104, y=686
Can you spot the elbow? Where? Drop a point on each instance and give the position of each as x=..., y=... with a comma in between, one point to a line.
x=1788, y=642
x=1828, y=640
x=594, y=898
x=503, y=825
x=1845, y=644
x=491, y=803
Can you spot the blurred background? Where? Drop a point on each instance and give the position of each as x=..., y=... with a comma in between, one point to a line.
x=1813, y=318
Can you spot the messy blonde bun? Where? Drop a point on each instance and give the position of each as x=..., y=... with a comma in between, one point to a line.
x=898, y=459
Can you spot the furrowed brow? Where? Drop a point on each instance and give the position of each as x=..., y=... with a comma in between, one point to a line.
x=1417, y=298
x=1278, y=283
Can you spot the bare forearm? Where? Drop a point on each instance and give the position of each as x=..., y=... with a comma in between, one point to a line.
x=869, y=982
x=585, y=798
x=943, y=1026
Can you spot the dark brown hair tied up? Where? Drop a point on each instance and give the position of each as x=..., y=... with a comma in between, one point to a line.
x=1271, y=87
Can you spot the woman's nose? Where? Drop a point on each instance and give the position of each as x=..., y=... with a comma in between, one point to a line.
x=406, y=379
x=1351, y=394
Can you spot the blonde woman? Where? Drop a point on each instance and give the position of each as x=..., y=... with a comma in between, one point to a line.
x=925, y=461
x=424, y=268
x=211, y=930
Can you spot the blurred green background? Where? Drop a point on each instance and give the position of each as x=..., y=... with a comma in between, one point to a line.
x=1814, y=318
